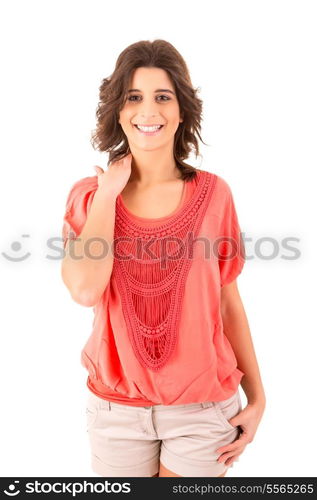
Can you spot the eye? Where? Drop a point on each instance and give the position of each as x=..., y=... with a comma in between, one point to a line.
x=130, y=98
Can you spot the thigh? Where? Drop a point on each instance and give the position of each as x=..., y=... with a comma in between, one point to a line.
x=192, y=436
x=119, y=445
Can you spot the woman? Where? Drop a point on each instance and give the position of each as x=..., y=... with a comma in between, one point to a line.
x=154, y=246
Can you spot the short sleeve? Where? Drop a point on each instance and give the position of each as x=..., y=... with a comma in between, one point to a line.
x=78, y=204
x=230, y=248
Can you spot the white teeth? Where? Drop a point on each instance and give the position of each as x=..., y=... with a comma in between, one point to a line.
x=148, y=129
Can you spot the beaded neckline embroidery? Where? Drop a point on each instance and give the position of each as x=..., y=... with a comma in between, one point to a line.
x=151, y=273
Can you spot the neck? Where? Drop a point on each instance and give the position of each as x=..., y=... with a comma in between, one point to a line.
x=151, y=168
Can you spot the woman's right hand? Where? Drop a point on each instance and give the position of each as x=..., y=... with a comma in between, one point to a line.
x=116, y=177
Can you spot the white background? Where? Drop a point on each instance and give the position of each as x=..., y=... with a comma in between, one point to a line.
x=255, y=62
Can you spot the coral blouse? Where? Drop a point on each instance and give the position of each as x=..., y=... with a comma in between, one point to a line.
x=157, y=334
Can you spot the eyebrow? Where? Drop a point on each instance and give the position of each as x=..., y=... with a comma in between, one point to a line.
x=157, y=90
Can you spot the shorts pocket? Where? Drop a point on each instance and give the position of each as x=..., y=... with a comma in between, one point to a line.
x=91, y=417
x=228, y=409
x=92, y=411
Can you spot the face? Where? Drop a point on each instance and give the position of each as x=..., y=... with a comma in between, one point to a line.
x=151, y=100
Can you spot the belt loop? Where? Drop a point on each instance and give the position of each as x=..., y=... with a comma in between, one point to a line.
x=206, y=404
x=109, y=405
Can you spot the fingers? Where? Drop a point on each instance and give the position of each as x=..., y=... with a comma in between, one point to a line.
x=232, y=453
x=231, y=457
x=98, y=170
x=127, y=159
x=241, y=441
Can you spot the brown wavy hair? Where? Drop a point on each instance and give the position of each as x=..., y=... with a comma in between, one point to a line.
x=109, y=136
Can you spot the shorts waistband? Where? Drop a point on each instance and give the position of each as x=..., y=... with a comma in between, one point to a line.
x=159, y=407
x=107, y=404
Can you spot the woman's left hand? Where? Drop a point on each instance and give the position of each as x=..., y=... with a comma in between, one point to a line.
x=248, y=420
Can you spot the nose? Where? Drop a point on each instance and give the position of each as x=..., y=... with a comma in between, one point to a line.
x=147, y=110
x=150, y=115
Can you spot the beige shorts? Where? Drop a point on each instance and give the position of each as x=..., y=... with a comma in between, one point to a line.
x=130, y=441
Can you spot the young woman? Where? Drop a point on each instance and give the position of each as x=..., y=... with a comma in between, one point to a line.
x=154, y=246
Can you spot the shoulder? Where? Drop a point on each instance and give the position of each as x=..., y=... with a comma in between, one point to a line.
x=222, y=189
x=84, y=185
x=81, y=189
x=221, y=204
x=223, y=186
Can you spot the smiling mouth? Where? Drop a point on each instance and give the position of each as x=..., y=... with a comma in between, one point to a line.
x=149, y=132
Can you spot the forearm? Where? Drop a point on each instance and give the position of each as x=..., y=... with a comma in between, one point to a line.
x=237, y=331
x=87, y=265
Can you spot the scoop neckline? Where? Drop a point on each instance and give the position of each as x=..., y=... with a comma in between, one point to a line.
x=178, y=209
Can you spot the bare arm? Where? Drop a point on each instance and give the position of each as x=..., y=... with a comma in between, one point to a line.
x=236, y=329
x=86, y=270
x=88, y=262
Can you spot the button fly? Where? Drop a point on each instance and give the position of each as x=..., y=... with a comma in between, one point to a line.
x=148, y=421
